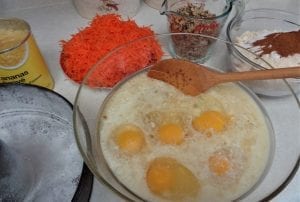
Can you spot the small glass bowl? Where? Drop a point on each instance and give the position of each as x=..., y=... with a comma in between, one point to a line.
x=262, y=20
x=89, y=102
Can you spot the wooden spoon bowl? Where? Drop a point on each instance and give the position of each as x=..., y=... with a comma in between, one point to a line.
x=193, y=79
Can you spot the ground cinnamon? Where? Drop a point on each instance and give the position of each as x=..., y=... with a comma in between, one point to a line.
x=284, y=43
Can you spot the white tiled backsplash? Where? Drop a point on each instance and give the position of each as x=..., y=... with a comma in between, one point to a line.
x=6, y=5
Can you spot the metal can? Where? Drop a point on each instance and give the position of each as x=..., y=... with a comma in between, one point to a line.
x=20, y=57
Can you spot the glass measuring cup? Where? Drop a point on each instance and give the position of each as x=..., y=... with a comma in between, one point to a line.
x=205, y=17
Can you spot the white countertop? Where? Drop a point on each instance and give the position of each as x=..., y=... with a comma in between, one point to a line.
x=57, y=20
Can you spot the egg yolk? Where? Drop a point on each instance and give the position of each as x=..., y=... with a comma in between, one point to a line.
x=130, y=139
x=219, y=164
x=169, y=179
x=210, y=120
x=171, y=134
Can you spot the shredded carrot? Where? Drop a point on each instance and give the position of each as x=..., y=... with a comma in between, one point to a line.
x=105, y=33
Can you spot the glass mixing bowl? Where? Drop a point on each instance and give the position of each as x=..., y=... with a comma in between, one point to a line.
x=283, y=113
x=262, y=22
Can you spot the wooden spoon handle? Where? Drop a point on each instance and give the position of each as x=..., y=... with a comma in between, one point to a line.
x=289, y=72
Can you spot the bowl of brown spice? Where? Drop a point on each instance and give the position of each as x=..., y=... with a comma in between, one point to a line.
x=205, y=17
x=274, y=36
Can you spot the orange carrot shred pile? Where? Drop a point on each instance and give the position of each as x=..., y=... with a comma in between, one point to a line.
x=105, y=33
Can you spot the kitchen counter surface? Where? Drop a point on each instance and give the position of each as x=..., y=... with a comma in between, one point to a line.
x=58, y=20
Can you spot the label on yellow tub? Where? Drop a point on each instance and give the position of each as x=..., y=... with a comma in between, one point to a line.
x=23, y=64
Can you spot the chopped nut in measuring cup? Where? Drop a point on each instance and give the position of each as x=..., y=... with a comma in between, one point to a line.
x=193, y=19
x=205, y=17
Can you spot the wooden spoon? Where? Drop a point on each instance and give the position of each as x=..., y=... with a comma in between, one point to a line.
x=193, y=79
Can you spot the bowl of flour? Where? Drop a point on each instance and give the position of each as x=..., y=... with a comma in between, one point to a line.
x=273, y=36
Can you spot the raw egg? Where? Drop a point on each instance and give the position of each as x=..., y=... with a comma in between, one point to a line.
x=130, y=139
x=219, y=164
x=168, y=126
x=210, y=121
x=170, y=179
x=171, y=134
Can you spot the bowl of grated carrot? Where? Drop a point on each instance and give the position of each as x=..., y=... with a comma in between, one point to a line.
x=112, y=98
x=103, y=34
